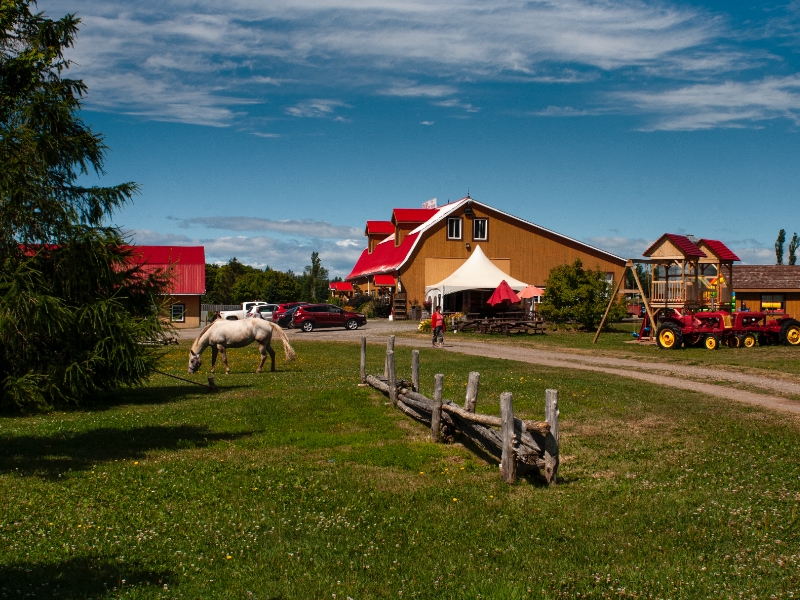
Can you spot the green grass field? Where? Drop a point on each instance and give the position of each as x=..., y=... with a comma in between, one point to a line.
x=300, y=484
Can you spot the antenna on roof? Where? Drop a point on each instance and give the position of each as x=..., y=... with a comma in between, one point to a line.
x=467, y=192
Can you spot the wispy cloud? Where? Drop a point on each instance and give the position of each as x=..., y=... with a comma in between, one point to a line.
x=560, y=111
x=416, y=90
x=727, y=104
x=621, y=246
x=456, y=103
x=426, y=123
x=208, y=63
x=305, y=228
x=316, y=109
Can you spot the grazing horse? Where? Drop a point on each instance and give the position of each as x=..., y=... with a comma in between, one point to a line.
x=223, y=334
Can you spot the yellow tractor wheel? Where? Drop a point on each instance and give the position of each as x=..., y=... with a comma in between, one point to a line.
x=669, y=337
x=790, y=333
x=712, y=342
x=749, y=340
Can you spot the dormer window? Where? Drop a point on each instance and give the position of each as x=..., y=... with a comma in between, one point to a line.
x=454, y=228
x=480, y=230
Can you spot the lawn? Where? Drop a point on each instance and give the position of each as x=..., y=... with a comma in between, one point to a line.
x=300, y=484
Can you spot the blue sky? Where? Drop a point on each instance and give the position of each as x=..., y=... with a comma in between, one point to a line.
x=268, y=130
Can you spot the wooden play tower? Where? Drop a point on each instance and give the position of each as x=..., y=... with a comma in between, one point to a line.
x=686, y=275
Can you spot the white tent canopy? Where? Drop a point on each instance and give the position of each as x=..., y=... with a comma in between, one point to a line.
x=478, y=272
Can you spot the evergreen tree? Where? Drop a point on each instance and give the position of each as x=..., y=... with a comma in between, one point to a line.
x=73, y=310
x=315, y=279
x=779, y=246
x=793, y=245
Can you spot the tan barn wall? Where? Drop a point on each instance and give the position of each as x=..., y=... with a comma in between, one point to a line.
x=753, y=301
x=192, y=314
x=531, y=252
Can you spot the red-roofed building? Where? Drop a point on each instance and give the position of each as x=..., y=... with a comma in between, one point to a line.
x=377, y=231
x=341, y=289
x=427, y=245
x=186, y=266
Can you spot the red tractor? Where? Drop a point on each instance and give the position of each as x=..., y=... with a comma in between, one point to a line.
x=738, y=329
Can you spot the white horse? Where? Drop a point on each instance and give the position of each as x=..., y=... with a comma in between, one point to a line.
x=223, y=334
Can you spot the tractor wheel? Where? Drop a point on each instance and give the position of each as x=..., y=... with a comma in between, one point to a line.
x=734, y=341
x=669, y=337
x=711, y=342
x=790, y=333
x=748, y=340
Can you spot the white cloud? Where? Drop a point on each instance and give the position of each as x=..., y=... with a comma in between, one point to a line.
x=727, y=104
x=305, y=228
x=561, y=111
x=410, y=89
x=455, y=103
x=426, y=122
x=316, y=109
x=196, y=61
x=620, y=245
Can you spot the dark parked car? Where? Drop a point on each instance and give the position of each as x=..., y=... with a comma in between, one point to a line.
x=282, y=308
x=285, y=319
x=312, y=316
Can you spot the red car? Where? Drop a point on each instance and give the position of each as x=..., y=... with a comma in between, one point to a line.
x=310, y=316
x=282, y=308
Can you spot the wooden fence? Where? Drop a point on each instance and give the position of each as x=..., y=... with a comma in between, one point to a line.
x=522, y=447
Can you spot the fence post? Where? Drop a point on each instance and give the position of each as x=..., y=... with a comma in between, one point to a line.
x=472, y=391
x=392, y=377
x=389, y=348
x=508, y=468
x=551, y=441
x=436, y=409
x=363, y=360
x=415, y=370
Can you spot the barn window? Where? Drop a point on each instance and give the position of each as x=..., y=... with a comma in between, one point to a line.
x=178, y=313
x=454, y=228
x=480, y=230
x=772, y=302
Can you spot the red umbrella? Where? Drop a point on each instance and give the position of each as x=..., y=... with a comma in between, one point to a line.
x=503, y=293
x=529, y=292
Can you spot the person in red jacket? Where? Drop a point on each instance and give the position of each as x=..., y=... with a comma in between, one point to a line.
x=437, y=324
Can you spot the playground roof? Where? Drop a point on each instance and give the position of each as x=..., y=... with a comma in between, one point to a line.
x=720, y=249
x=683, y=243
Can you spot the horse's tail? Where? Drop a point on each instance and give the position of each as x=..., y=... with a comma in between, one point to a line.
x=287, y=347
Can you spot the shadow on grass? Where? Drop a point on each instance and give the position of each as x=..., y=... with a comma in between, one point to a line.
x=79, y=577
x=163, y=394
x=49, y=456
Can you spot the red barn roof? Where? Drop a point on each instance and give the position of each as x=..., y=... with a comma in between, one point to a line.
x=412, y=215
x=684, y=244
x=720, y=249
x=186, y=263
x=385, y=258
x=379, y=227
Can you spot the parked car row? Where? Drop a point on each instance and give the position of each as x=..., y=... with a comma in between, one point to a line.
x=307, y=316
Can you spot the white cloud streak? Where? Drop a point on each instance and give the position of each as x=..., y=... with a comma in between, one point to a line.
x=305, y=228
x=206, y=62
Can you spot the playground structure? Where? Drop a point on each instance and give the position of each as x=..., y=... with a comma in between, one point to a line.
x=692, y=299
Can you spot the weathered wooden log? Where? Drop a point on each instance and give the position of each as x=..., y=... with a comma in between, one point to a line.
x=389, y=348
x=415, y=370
x=392, y=378
x=436, y=407
x=551, y=459
x=413, y=413
x=472, y=391
x=508, y=466
x=363, y=360
x=540, y=427
x=377, y=383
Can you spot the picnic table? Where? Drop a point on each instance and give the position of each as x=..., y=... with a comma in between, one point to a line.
x=507, y=323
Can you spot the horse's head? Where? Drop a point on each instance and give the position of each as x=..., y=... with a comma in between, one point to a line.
x=194, y=362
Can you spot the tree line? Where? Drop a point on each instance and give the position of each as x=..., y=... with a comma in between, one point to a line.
x=235, y=282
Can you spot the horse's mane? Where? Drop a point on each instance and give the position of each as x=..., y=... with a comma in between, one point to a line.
x=202, y=332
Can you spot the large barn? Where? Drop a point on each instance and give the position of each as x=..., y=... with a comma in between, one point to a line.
x=421, y=247
x=186, y=267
